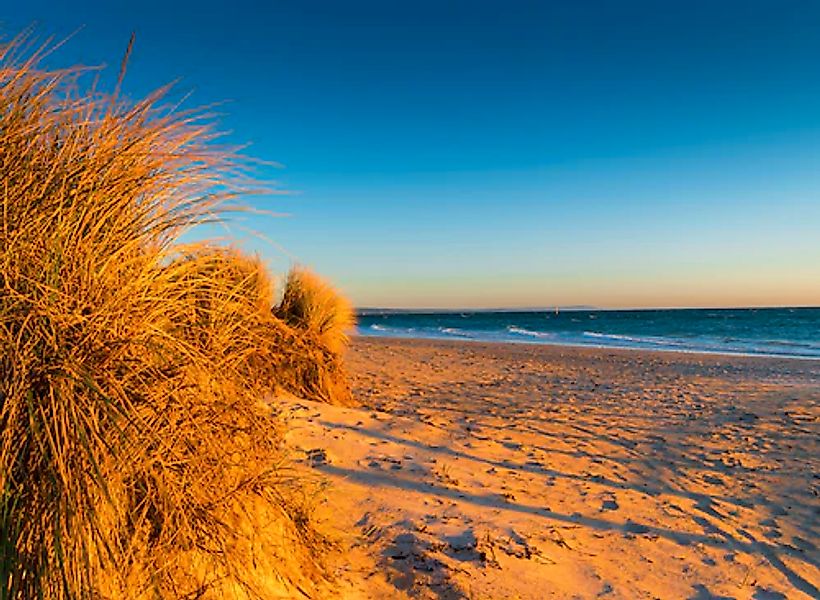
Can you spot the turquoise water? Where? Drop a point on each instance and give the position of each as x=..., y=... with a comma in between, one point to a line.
x=793, y=332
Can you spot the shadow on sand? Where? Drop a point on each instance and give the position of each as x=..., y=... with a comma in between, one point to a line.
x=718, y=537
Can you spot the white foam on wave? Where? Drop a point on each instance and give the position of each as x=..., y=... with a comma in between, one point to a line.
x=453, y=331
x=529, y=332
x=792, y=344
x=612, y=336
x=617, y=337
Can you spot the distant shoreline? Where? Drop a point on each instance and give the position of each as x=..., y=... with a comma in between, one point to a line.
x=365, y=311
x=591, y=347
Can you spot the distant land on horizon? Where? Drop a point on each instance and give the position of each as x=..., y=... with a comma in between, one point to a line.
x=577, y=307
x=376, y=310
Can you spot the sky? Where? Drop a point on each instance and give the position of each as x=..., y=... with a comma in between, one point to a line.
x=502, y=154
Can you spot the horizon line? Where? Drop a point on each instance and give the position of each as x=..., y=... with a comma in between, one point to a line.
x=576, y=308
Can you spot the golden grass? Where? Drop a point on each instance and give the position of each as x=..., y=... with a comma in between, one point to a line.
x=136, y=459
x=321, y=319
x=311, y=304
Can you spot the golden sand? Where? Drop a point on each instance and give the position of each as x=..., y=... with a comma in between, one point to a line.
x=514, y=471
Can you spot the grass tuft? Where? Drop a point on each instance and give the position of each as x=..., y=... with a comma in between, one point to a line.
x=320, y=318
x=311, y=304
x=136, y=458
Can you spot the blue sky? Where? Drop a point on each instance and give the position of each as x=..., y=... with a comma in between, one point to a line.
x=505, y=153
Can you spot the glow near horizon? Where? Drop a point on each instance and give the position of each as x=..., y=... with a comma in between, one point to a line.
x=617, y=154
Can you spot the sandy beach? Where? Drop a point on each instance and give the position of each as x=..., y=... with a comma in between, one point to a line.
x=475, y=470
x=455, y=300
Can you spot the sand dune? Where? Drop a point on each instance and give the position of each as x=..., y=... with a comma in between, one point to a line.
x=501, y=471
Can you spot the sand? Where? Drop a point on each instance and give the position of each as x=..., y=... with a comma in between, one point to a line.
x=518, y=471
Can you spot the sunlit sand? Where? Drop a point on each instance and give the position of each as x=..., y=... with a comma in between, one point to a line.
x=179, y=422
x=504, y=471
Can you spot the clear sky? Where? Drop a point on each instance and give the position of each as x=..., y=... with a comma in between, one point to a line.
x=487, y=154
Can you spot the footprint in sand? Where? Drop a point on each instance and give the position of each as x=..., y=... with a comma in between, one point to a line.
x=635, y=528
x=609, y=504
x=713, y=479
x=316, y=457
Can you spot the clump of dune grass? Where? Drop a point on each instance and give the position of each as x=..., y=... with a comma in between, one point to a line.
x=311, y=304
x=136, y=458
x=321, y=318
x=300, y=340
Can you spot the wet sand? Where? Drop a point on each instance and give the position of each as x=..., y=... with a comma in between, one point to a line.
x=475, y=470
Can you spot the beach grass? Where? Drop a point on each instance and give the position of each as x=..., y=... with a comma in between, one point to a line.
x=309, y=303
x=321, y=318
x=137, y=458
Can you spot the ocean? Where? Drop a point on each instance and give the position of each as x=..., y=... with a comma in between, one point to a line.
x=787, y=332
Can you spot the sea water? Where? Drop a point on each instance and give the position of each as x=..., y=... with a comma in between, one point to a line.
x=787, y=332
